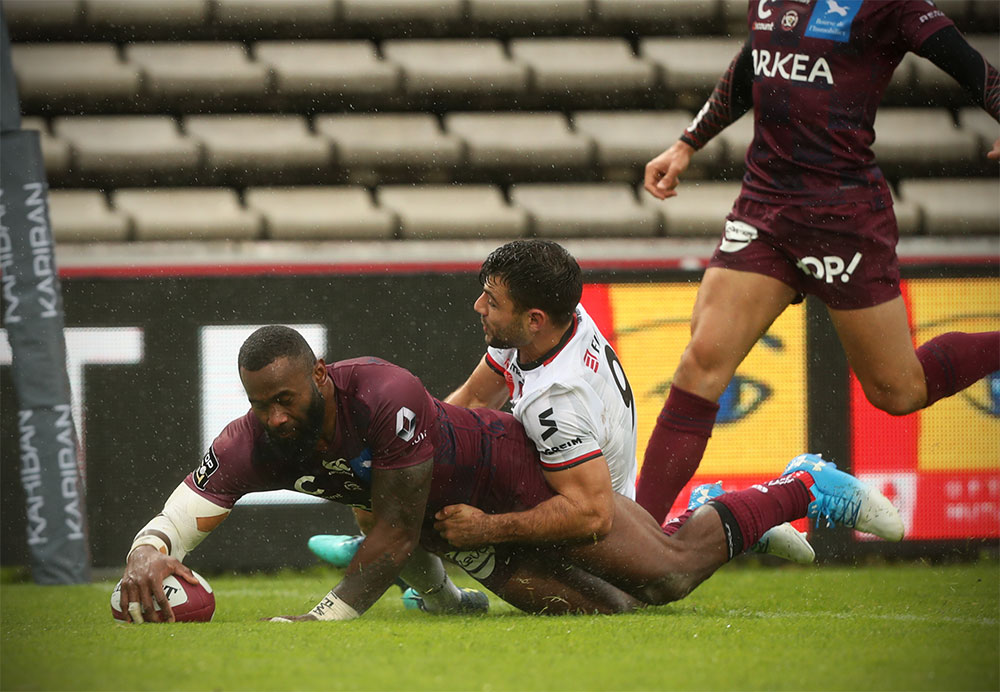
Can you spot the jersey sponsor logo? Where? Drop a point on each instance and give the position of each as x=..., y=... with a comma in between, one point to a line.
x=832, y=20
x=477, y=563
x=545, y=420
x=930, y=15
x=789, y=20
x=591, y=361
x=794, y=67
x=762, y=10
x=738, y=235
x=762, y=26
x=830, y=267
x=406, y=424
x=307, y=485
x=562, y=447
x=209, y=465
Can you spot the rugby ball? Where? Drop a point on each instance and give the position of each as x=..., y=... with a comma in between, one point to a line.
x=190, y=602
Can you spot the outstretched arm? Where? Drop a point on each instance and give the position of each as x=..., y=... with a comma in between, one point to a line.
x=399, y=499
x=158, y=549
x=485, y=388
x=582, y=509
x=731, y=98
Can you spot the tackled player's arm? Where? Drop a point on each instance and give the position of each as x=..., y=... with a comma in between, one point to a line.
x=399, y=499
x=159, y=548
x=485, y=388
x=584, y=508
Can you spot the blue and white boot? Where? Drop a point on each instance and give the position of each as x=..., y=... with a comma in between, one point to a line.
x=842, y=500
x=472, y=602
x=783, y=541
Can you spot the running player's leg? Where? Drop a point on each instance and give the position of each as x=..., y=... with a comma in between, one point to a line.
x=732, y=311
x=899, y=380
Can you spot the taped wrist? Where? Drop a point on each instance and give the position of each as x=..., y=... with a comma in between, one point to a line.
x=332, y=608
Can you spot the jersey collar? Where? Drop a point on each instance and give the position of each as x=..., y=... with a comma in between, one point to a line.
x=548, y=357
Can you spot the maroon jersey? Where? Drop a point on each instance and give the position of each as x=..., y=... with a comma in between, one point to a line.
x=385, y=420
x=820, y=68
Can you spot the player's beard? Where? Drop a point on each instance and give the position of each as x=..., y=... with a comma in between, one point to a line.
x=511, y=336
x=300, y=446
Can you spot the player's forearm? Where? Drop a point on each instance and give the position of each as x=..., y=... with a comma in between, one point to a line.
x=187, y=518
x=379, y=561
x=555, y=519
x=731, y=98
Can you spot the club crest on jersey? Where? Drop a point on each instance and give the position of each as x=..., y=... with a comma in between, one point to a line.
x=831, y=19
x=209, y=465
x=789, y=20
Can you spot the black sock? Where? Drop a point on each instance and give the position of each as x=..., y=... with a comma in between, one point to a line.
x=734, y=536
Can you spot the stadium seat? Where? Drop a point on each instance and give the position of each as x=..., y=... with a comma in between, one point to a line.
x=320, y=213
x=691, y=66
x=213, y=75
x=383, y=147
x=76, y=75
x=510, y=145
x=922, y=142
x=128, y=150
x=682, y=16
x=323, y=71
x=415, y=13
x=83, y=216
x=627, y=140
x=34, y=19
x=572, y=210
x=452, y=211
x=150, y=18
x=187, y=214
x=457, y=71
x=699, y=209
x=300, y=14
x=605, y=67
x=56, y=151
x=956, y=206
x=249, y=149
x=537, y=13
x=981, y=124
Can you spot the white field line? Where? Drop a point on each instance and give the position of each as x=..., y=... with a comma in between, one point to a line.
x=889, y=617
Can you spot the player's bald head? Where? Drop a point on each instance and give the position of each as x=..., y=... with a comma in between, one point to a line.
x=269, y=343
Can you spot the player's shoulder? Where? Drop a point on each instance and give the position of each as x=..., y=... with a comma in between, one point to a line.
x=366, y=371
x=238, y=437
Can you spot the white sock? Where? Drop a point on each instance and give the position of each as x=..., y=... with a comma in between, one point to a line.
x=426, y=574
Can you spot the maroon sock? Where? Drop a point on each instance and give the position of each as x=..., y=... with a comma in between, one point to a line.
x=674, y=450
x=954, y=360
x=672, y=526
x=747, y=514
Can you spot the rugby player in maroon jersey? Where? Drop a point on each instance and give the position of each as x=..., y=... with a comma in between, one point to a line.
x=365, y=433
x=814, y=215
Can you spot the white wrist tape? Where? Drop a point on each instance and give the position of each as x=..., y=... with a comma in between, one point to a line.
x=332, y=608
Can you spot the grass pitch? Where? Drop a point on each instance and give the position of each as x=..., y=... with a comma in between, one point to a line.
x=910, y=627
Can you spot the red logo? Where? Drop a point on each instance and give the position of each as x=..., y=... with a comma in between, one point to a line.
x=590, y=360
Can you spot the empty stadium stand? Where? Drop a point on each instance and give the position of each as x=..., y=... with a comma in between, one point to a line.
x=307, y=120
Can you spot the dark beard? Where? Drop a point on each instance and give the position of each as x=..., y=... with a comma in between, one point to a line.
x=298, y=449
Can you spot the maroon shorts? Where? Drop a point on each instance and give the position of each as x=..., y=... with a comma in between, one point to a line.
x=843, y=254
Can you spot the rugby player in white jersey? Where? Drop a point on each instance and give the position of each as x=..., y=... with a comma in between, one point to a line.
x=569, y=391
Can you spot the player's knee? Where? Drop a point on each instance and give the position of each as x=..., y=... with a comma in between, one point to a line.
x=897, y=398
x=670, y=588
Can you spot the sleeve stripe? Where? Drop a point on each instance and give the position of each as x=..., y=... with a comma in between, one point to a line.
x=495, y=366
x=559, y=466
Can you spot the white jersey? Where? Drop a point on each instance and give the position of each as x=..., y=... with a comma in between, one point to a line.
x=575, y=402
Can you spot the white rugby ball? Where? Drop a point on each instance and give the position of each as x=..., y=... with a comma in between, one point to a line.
x=190, y=602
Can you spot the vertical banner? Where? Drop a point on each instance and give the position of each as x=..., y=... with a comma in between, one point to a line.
x=33, y=317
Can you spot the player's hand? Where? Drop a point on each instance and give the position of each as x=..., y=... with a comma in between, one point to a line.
x=291, y=618
x=663, y=173
x=995, y=153
x=463, y=526
x=143, y=582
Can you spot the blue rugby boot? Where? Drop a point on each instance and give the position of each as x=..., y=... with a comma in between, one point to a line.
x=337, y=550
x=840, y=499
x=783, y=541
x=472, y=602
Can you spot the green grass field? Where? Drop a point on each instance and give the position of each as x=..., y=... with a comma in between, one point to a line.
x=896, y=627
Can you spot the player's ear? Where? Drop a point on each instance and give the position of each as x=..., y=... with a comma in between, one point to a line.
x=319, y=372
x=537, y=319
